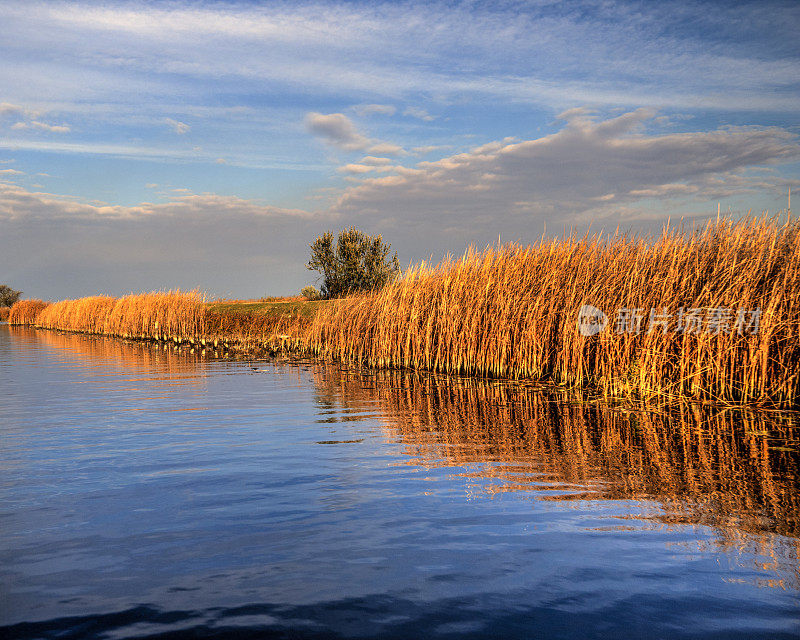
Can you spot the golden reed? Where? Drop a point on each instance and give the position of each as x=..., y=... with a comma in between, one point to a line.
x=160, y=315
x=166, y=316
x=511, y=312
x=25, y=311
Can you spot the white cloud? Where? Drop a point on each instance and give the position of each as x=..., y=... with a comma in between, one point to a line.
x=40, y=126
x=421, y=151
x=7, y=108
x=387, y=148
x=356, y=168
x=372, y=109
x=178, y=127
x=11, y=172
x=339, y=131
x=29, y=119
x=17, y=203
x=336, y=129
x=222, y=244
x=416, y=112
x=375, y=161
x=359, y=168
x=591, y=168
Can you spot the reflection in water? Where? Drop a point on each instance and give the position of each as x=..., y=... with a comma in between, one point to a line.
x=127, y=354
x=157, y=493
x=734, y=470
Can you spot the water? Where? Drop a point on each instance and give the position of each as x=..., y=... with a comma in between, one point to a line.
x=152, y=494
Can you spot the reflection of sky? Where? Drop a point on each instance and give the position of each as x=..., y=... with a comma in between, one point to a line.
x=302, y=488
x=205, y=144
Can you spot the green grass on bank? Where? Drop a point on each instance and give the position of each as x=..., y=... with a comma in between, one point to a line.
x=305, y=308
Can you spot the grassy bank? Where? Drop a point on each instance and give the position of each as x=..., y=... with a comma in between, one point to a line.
x=511, y=312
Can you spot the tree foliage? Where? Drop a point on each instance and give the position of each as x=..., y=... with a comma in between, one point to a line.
x=355, y=262
x=310, y=293
x=8, y=296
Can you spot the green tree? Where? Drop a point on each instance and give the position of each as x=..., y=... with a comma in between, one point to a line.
x=8, y=296
x=356, y=262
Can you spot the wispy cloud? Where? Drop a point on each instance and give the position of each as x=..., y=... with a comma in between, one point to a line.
x=40, y=126
x=178, y=127
x=626, y=56
x=6, y=108
x=29, y=119
x=417, y=112
x=372, y=109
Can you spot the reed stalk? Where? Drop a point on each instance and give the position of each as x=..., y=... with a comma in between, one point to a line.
x=511, y=312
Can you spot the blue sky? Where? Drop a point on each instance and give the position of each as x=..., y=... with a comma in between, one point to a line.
x=148, y=145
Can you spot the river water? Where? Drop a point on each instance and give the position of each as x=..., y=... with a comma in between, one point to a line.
x=147, y=493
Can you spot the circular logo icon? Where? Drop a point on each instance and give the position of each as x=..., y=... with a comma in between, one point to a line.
x=591, y=320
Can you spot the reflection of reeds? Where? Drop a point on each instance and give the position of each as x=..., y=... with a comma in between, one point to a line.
x=128, y=356
x=511, y=312
x=733, y=470
x=25, y=311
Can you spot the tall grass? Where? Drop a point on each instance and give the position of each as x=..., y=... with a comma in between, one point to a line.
x=170, y=316
x=512, y=311
x=26, y=311
x=162, y=315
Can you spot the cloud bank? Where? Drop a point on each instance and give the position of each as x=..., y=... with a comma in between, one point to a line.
x=603, y=172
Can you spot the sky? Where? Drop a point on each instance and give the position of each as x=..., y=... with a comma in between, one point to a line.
x=161, y=145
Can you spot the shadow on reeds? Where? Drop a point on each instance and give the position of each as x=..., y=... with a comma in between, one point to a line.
x=734, y=471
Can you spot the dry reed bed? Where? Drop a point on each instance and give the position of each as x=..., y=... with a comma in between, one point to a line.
x=26, y=311
x=170, y=315
x=511, y=312
x=173, y=316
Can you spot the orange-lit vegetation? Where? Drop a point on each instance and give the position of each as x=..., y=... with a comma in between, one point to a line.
x=4, y=313
x=26, y=311
x=511, y=312
x=168, y=316
x=173, y=316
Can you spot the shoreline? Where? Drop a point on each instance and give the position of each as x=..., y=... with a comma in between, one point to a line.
x=518, y=313
x=235, y=350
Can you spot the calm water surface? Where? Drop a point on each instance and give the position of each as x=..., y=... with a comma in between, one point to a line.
x=152, y=494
